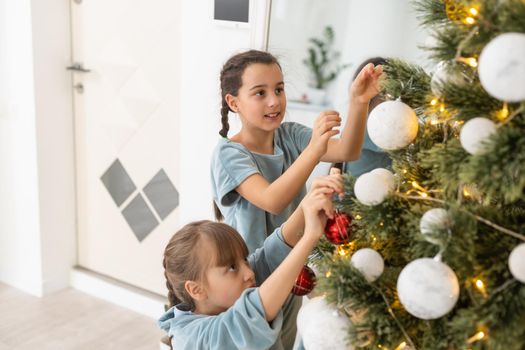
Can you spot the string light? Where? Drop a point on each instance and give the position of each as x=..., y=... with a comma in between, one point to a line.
x=401, y=346
x=434, y=102
x=479, y=284
x=478, y=336
x=481, y=287
x=503, y=113
x=471, y=61
x=473, y=11
x=470, y=20
x=328, y=273
x=344, y=249
x=358, y=217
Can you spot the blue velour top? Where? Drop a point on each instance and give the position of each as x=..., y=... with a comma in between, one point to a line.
x=242, y=326
x=232, y=163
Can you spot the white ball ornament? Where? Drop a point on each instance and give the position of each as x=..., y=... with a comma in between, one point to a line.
x=474, y=134
x=372, y=188
x=369, y=262
x=501, y=67
x=392, y=125
x=316, y=320
x=427, y=288
x=517, y=262
x=387, y=176
x=433, y=222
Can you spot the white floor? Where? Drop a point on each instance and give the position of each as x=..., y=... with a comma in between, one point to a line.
x=71, y=320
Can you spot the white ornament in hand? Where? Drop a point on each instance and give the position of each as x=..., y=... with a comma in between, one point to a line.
x=427, y=288
x=373, y=187
x=392, y=125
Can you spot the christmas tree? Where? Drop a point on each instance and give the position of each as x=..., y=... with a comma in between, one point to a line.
x=433, y=252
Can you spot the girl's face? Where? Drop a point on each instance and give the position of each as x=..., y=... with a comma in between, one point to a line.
x=261, y=101
x=224, y=285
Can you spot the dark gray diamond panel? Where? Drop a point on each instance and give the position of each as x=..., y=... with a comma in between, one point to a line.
x=162, y=194
x=139, y=217
x=118, y=183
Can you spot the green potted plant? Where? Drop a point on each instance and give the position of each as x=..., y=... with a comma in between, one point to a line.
x=322, y=64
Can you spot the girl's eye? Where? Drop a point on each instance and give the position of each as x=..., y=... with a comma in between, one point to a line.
x=260, y=93
x=232, y=268
x=278, y=91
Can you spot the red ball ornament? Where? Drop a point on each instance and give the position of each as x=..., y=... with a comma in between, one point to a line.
x=305, y=282
x=337, y=230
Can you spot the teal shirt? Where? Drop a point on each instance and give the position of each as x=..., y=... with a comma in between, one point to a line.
x=371, y=157
x=242, y=326
x=232, y=163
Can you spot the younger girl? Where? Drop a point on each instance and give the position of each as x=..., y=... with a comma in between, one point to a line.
x=222, y=298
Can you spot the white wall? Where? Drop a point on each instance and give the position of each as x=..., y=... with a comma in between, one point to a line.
x=37, y=197
x=37, y=208
x=55, y=140
x=19, y=217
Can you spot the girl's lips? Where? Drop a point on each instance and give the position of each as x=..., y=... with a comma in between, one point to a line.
x=272, y=115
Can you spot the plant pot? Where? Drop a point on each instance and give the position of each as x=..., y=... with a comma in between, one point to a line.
x=315, y=96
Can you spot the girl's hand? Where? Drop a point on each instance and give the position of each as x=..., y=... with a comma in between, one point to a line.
x=366, y=84
x=317, y=208
x=323, y=130
x=333, y=181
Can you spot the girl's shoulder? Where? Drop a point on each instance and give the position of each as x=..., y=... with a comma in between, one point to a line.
x=292, y=128
x=227, y=147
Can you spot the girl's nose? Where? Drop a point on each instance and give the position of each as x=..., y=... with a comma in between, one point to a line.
x=248, y=274
x=273, y=100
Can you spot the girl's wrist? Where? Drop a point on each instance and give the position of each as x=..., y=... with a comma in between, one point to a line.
x=358, y=100
x=312, y=153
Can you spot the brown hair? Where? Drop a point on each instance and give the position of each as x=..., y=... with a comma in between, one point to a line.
x=184, y=259
x=231, y=78
x=231, y=82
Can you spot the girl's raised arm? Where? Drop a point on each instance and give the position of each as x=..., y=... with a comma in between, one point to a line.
x=364, y=87
x=316, y=207
x=274, y=197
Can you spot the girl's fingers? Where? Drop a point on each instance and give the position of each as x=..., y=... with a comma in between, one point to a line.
x=335, y=171
x=329, y=134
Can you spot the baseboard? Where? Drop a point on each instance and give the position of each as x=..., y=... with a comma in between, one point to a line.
x=116, y=292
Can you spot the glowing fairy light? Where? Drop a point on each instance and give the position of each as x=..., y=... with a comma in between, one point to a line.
x=479, y=284
x=503, y=113
x=470, y=20
x=343, y=249
x=401, y=346
x=471, y=61
x=476, y=337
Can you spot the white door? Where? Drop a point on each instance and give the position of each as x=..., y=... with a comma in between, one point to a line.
x=126, y=131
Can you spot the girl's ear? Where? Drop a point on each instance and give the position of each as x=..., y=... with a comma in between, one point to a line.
x=195, y=290
x=232, y=102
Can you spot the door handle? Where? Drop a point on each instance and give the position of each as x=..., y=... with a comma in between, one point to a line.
x=78, y=67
